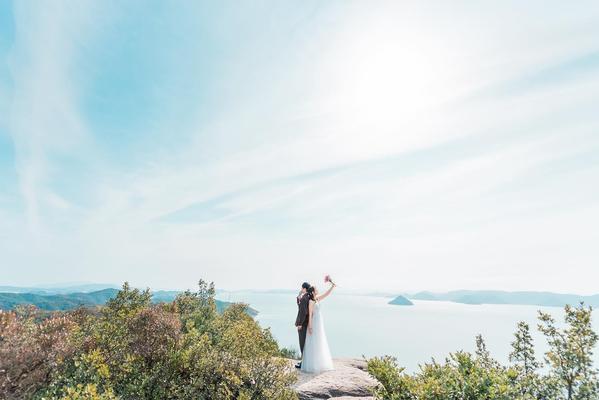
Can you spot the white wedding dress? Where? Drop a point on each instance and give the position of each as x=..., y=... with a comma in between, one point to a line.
x=317, y=356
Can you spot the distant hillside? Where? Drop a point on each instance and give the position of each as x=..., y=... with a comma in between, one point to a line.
x=546, y=299
x=401, y=301
x=56, y=302
x=61, y=302
x=58, y=289
x=18, y=289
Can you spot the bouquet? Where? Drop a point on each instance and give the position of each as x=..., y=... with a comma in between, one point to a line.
x=328, y=279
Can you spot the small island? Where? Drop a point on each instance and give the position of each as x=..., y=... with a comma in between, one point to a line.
x=401, y=301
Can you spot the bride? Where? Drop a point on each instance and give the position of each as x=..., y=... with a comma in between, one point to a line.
x=317, y=356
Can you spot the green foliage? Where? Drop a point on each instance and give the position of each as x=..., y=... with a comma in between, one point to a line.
x=464, y=376
x=290, y=353
x=197, y=309
x=127, y=302
x=394, y=385
x=132, y=349
x=570, y=354
x=528, y=384
x=86, y=392
x=523, y=353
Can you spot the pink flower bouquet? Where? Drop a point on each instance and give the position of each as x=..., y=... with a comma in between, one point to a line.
x=328, y=279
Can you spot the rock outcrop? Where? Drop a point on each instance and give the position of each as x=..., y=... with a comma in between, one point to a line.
x=401, y=301
x=349, y=381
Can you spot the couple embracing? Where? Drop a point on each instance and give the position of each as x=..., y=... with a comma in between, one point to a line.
x=316, y=356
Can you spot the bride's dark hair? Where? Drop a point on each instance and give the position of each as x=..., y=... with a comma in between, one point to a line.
x=310, y=292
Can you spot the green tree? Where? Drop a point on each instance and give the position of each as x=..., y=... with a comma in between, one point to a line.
x=570, y=352
x=528, y=383
x=523, y=350
x=127, y=302
x=483, y=356
x=197, y=309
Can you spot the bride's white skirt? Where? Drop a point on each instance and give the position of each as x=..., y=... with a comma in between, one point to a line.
x=317, y=356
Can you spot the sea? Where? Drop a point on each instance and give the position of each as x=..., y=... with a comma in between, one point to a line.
x=366, y=325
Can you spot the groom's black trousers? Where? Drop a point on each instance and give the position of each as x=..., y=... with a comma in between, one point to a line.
x=302, y=337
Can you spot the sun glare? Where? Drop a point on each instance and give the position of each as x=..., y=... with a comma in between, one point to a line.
x=388, y=81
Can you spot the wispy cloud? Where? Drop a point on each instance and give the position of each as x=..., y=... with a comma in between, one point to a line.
x=44, y=120
x=160, y=145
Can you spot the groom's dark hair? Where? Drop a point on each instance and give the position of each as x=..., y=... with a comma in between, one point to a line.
x=306, y=285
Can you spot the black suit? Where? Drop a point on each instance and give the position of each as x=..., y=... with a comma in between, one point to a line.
x=302, y=318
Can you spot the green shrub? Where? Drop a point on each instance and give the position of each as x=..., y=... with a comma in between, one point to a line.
x=290, y=353
x=465, y=376
x=131, y=349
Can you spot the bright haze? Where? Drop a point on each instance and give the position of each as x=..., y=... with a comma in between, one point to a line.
x=397, y=146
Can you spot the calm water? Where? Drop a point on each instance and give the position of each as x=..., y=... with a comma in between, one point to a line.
x=367, y=325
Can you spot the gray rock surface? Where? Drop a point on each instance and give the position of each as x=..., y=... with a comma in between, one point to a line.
x=349, y=381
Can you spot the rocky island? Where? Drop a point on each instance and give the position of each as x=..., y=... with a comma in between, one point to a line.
x=401, y=301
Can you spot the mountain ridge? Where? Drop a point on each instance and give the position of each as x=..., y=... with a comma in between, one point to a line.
x=69, y=301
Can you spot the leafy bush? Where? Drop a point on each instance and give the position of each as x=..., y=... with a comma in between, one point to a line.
x=31, y=351
x=466, y=376
x=131, y=349
x=290, y=353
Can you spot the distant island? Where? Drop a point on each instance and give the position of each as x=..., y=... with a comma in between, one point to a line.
x=61, y=301
x=545, y=299
x=401, y=301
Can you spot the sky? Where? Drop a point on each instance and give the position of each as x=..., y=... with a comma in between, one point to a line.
x=398, y=146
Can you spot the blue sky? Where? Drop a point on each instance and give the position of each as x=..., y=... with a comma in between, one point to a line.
x=394, y=145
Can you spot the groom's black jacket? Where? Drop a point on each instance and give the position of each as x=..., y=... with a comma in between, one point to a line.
x=302, y=311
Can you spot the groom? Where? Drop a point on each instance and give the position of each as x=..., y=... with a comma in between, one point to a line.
x=301, y=321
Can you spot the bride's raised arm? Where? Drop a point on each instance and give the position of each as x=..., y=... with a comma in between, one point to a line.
x=325, y=294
